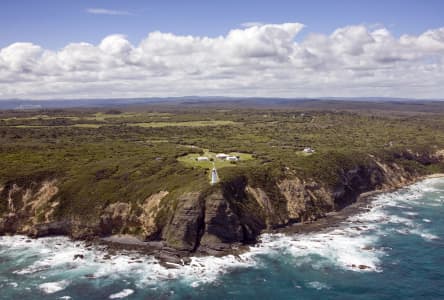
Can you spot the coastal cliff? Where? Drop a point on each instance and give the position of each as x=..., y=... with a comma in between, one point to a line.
x=214, y=220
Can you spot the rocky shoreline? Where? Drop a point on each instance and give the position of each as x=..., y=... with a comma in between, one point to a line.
x=333, y=219
x=169, y=256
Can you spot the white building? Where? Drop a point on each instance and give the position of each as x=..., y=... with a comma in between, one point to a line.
x=308, y=150
x=232, y=158
x=202, y=158
x=221, y=156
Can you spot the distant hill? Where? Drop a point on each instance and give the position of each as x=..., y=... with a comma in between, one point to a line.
x=220, y=101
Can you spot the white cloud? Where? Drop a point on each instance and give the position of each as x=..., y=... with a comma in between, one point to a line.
x=260, y=60
x=104, y=11
x=21, y=57
x=251, y=24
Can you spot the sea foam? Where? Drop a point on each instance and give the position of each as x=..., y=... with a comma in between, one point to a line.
x=122, y=294
x=53, y=287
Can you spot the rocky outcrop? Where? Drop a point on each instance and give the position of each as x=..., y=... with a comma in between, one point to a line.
x=28, y=204
x=375, y=175
x=306, y=201
x=222, y=227
x=150, y=208
x=439, y=155
x=184, y=230
x=425, y=158
x=114, y=218
x=271, y=212
x=50, y=228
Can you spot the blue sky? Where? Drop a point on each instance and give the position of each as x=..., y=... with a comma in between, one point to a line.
x=55, y=23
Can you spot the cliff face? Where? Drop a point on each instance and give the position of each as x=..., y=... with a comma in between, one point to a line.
x=214, y=221
x=28, y=204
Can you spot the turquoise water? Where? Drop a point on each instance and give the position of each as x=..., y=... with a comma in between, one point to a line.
x=398, y=242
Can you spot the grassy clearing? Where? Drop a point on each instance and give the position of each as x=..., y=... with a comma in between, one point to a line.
x=102, y=117
x=103, y=120
x=40, y=117
x=191, y=159
x=80, y=125
x=182, y=124
x=87, y=125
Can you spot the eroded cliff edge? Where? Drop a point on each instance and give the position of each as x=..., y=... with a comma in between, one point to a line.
x=213, y=220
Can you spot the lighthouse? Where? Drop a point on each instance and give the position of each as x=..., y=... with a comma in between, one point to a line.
x=214, y=177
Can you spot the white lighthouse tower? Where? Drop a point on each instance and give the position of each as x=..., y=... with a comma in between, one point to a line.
x=214, y=177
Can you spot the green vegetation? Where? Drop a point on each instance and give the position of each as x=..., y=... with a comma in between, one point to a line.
x=103, y=157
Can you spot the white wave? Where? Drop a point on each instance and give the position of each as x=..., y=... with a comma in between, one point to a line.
x=424, y=234
x=347, y=248
x=33, y=269
x=56, y=254
x=410, y=213
x=318, y=285
x=53, y=287
x=122, y=294
x=200, y=270
x=53, y=252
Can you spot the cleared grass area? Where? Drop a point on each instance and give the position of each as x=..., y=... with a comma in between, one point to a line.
x=86, y=125
x=191, y=160
x=183, y=124
x=100, y=117
x=42, y=117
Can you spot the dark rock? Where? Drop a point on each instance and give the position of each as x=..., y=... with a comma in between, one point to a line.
x=222, y=225
x=184, y=230
x=80, y=256
x=52, y=228
x=170, y=258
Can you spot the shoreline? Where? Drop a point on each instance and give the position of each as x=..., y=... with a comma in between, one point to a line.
x=333, y=219
x=170, y=258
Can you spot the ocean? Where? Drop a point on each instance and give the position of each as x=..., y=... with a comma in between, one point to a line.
x=393, y=250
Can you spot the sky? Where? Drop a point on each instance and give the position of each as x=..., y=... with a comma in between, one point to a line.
x=55, y=49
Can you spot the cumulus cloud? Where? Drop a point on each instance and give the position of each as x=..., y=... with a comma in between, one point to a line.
x=251, y=24
x=258, y=60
